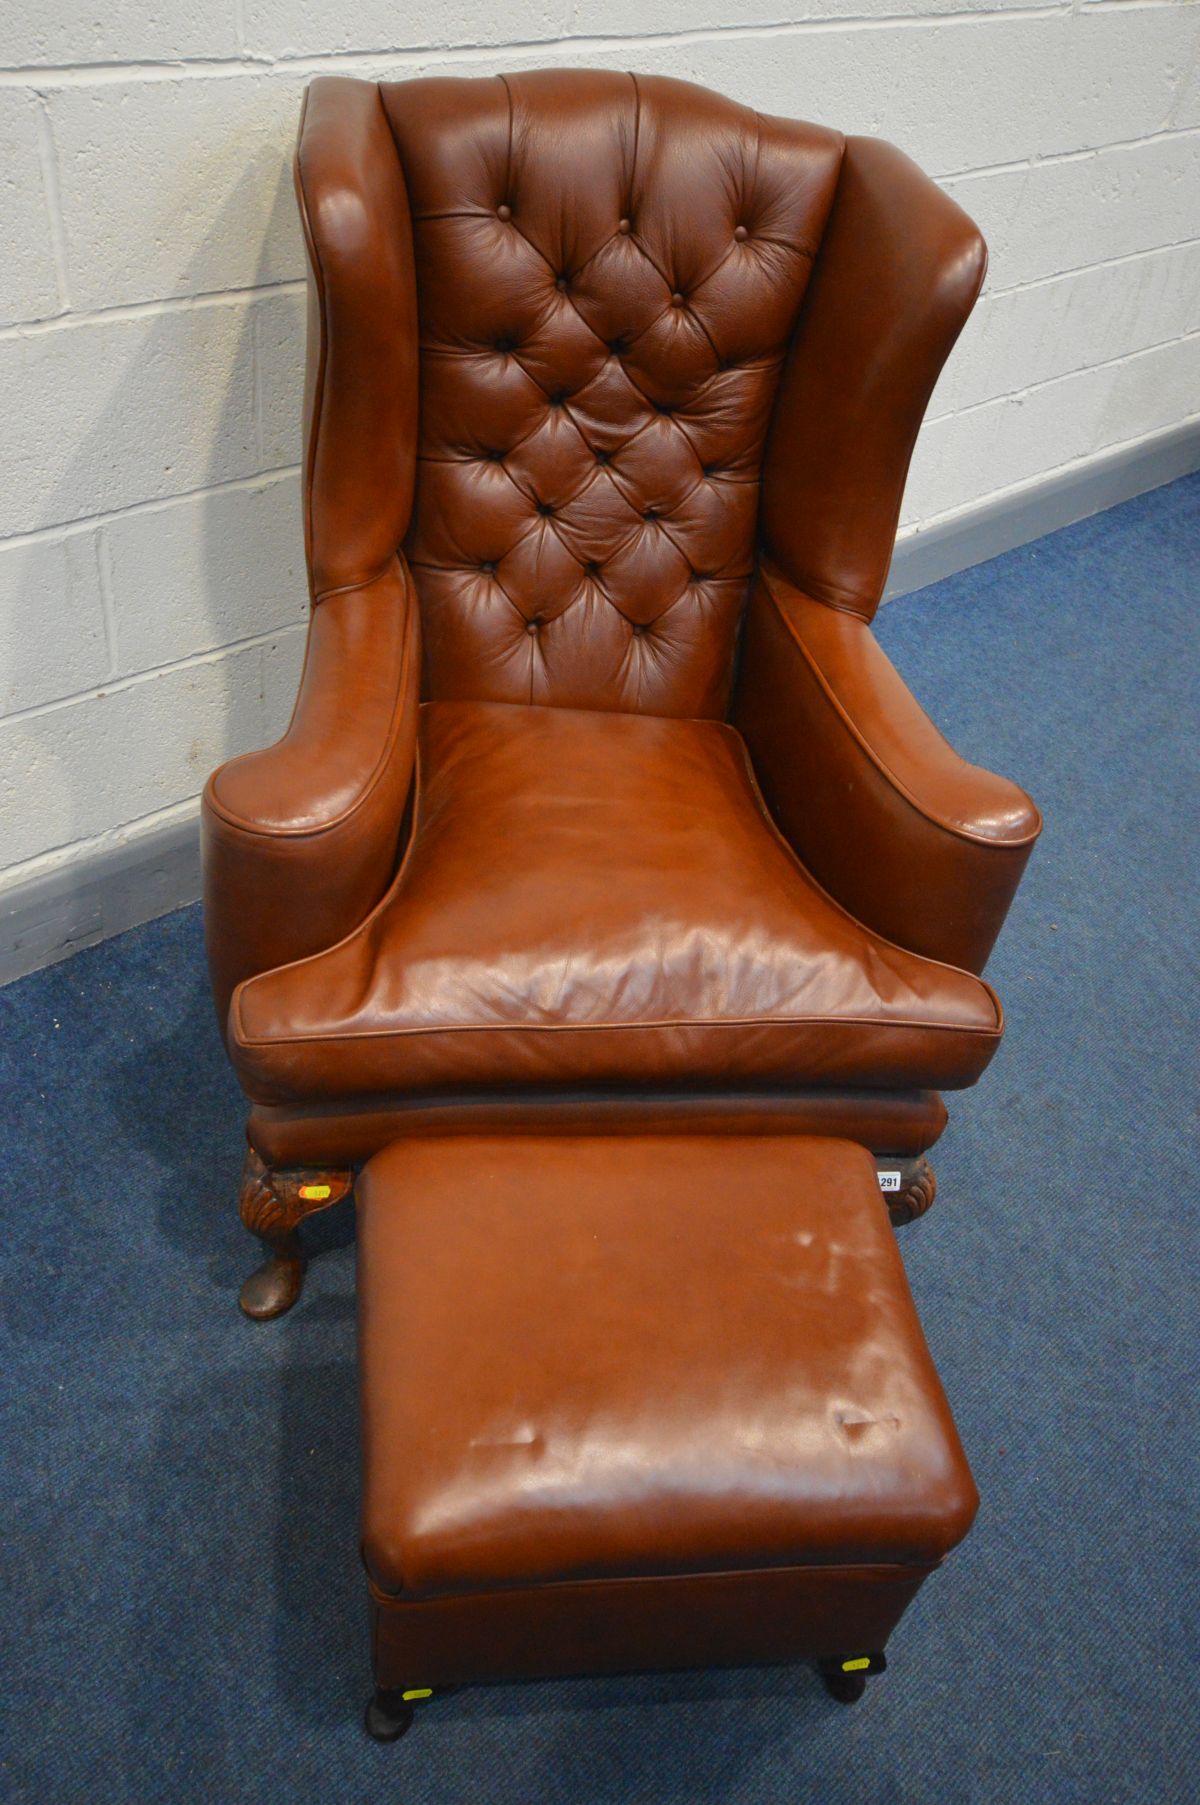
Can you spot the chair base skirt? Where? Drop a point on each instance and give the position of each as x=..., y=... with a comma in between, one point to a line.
x=905, y=1123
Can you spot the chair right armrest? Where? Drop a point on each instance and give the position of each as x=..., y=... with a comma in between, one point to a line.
x=916, y=843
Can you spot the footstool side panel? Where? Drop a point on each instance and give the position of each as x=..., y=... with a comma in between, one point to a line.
x=619, y=1626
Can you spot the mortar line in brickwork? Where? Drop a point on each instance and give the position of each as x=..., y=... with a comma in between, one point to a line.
x=1028, y=164
x=1033, y=388
x=154, y=504
x=48, y=158
x=99, y=692
x=256, y=385
x=251, y=62
x=108, y=605
x=1083, y=269
x=135, y=310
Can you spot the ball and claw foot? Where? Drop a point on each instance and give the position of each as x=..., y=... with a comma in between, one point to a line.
x=272, y=1204
x=387, y=1717
x=273, y=1287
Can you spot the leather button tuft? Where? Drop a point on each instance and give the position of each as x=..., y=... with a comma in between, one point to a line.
x=488, y=564
x=591, y=569
x=532, y=626
x=562, y=284
x=741, y=234
x=677, y=299
x=504, y=213
x=639, y=632
x=545, y=509
x=623, y=225
x=602, y=457
x=650, y=514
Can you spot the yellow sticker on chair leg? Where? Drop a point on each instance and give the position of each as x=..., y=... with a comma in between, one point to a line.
x=417, y=1692
x=315, y=1193
x=857, y=1665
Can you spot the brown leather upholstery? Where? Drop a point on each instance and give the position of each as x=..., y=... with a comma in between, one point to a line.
x=555, y=320
x=609, y=268
x=771, y=1614
x=713, y=958
x=848, y=759
x=300, y=840
x=899, y=271
x=345, y=1131
x=780, y=1411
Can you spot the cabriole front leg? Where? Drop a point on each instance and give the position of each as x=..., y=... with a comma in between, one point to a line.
x=272, y=1204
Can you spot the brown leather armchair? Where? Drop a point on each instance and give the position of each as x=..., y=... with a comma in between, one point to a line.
x=600, y=805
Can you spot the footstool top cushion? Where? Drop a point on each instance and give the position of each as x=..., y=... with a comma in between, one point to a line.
x=588, y=1357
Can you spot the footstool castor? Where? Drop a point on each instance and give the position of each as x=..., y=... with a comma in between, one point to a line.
x=643, y=1403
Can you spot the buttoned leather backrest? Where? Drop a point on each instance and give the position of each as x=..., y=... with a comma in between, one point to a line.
x=609, y=269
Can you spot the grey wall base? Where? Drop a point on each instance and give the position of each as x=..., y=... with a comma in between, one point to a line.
x=51, y=917
x=1000, y=526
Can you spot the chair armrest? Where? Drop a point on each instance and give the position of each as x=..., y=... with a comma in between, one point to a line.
x=916, y=843
x=301, y=840
x=897, y=274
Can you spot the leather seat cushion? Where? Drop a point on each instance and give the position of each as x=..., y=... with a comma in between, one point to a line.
x=774, y=1405
x=591, y=897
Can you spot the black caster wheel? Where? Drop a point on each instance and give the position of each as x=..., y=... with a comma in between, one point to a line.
x=387, y=1717
x=846, y=1688
x=845, y=1678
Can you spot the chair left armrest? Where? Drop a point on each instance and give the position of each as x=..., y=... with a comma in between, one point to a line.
x=301, y=840
x=916, y=843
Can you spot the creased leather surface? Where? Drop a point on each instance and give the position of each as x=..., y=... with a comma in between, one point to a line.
x=601, y=897
x=609, y=268
x=641, y=1392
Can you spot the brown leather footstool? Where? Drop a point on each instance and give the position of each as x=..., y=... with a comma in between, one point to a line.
x=640, y=1403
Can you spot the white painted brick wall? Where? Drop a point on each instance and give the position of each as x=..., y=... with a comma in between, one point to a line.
x=152, y=316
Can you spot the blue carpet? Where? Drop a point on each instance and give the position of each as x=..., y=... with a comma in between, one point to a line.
x=183, y=1607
